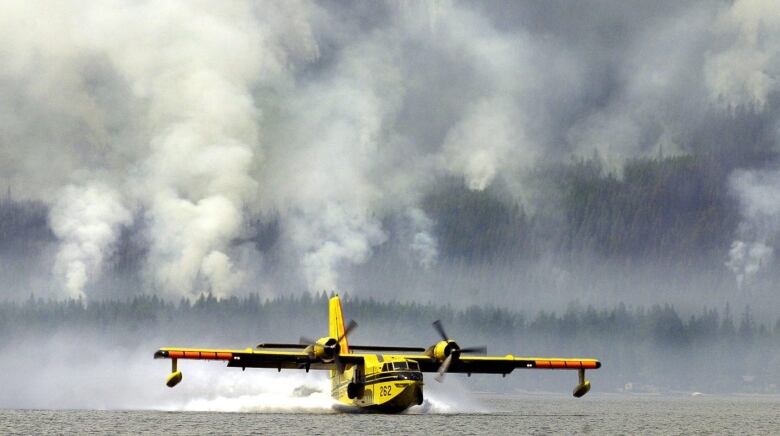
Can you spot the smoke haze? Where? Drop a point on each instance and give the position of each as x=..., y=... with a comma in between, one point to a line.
x=279, y=147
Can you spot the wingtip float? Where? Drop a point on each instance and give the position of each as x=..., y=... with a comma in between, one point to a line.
x=375, y=378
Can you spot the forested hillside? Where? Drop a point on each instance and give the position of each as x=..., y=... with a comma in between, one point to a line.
x=672, y=208
x=664, y=208
x=645, y=349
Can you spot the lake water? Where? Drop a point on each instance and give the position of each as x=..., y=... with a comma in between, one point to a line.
x=493, y=414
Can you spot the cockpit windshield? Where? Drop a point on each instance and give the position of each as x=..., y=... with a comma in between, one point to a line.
x=400, y=370
x=400, y=366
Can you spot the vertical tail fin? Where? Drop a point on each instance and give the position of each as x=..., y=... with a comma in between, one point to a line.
x=336, y=323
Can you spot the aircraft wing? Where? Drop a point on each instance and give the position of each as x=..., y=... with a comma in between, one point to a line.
x=502, y=364
x=249, y=358
x=351, y=347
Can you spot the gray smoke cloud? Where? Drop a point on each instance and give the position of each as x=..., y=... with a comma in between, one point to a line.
x=744, y=71
x=759, y=193
x=747, y=72
x=181, y=124
x=423, y=245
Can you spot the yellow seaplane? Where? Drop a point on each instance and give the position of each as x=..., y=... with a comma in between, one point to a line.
x=383, y=379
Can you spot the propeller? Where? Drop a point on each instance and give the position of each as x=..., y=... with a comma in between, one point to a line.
x=451, y=350
x=331, y=347
x=352, y=325
x=443, y=368
x=475, y=350
x=440, y=328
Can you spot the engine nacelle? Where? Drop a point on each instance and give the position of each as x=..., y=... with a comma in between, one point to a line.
x=442, y=349
x=324, y=349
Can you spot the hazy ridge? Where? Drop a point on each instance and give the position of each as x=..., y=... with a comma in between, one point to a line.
x=644, y=349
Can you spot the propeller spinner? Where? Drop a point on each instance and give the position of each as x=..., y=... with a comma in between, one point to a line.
x=448, y=350
x=328, y=348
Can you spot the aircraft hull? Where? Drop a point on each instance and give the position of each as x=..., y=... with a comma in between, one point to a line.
x=410, y=395
x=402, y=395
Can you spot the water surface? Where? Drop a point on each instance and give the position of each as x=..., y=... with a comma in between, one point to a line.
x=523, y=414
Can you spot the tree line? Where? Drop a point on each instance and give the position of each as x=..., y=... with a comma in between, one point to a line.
x=649, y=347
x=675, y=208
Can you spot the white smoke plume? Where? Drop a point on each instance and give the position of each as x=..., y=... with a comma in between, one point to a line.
x=203, y=135
x=191, y=72
x=747, y=70
x=88, y=221
x=319, y=173
x=423, y=246
x=747, y=258
x=480, y=146
x=759, y=195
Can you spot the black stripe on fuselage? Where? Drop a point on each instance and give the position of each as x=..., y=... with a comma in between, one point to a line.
x=395, y=375
x=382, y=378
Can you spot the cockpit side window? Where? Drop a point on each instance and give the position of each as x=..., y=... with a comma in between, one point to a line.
x=400, y=366
x=414, y=366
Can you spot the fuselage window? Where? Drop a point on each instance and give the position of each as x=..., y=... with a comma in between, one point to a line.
x=400, y=366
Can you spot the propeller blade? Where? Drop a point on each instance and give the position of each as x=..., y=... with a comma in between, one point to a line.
x=306, y=341
x=443, y=368
x=475, y=350
x=351, y=326
x=439, y=328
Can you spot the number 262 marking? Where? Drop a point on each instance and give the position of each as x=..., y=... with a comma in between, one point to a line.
x=384, y=391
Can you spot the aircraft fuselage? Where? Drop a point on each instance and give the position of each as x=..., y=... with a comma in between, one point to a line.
x=386, y=384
